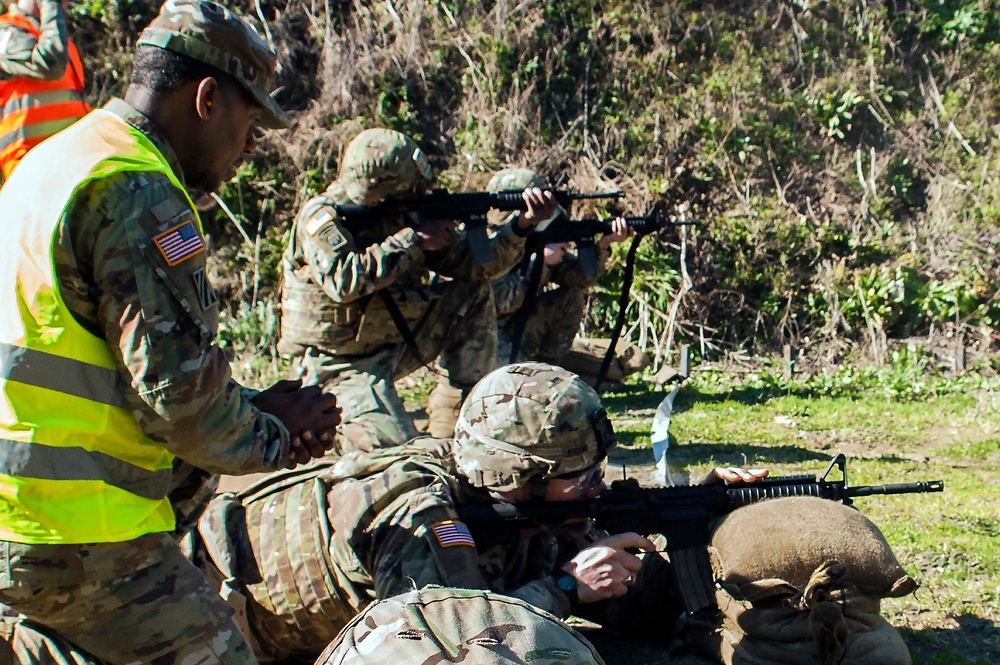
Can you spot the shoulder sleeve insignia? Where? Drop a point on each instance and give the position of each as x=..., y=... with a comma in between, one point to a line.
x=323, y=227
x=206, y=297
x=167, y=210
x=180, y=243
x=452, y=533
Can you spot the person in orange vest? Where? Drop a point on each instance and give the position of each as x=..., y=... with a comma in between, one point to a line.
x=41, y=78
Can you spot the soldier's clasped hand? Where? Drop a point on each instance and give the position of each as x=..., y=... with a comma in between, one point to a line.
x=310, y=415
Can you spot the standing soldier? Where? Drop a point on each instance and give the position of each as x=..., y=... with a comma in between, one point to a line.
x=41, y=78
x=109, y=372
x=555, y=311
x=367, y=304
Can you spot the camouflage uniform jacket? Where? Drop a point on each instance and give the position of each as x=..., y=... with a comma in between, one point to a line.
x=396, y=528
x=22, y=56
x=331, y=275
x=510, y=290
x=159, y=319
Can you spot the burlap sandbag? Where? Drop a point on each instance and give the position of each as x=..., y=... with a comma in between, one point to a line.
x=788, y=539
x=799, y=582
x=832, y=623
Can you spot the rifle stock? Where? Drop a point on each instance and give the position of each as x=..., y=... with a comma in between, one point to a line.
x=684, y=514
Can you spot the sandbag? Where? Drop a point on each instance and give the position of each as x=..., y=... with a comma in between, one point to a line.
x=787, y=539
x=799, y=582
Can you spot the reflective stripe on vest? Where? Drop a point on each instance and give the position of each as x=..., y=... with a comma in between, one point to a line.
x=74, y=465
x=34, y=110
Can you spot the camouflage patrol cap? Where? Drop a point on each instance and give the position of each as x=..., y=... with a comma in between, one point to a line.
x=210, y=33
x=379, y=163
x=529, y=419
x=437, y=624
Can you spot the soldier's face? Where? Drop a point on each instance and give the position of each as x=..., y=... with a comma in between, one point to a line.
x=586, y=484
x=228, y=136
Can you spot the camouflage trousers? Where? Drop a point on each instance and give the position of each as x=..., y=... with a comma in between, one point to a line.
x=115, y=603
x=549, y=331
x=22, y=641
x=460, y=331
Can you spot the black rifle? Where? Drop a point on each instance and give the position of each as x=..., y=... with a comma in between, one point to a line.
x=468, y=207
x=562, y=229
x=684, y=514
x=582, y=232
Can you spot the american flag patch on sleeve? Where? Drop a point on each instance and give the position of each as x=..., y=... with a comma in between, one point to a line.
x=452, y=533
x=180, y=243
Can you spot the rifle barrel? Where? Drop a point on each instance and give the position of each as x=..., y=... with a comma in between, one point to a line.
x=897, y=488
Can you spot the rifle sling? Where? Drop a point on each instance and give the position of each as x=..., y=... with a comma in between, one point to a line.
x=527, y=307
x=400, y=321
x=616, y=334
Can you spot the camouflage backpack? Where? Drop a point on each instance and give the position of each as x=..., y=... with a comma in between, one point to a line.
x=437, y=624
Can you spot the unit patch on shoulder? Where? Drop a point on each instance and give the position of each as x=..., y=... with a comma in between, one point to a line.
x=180, y=243
x=206, y=297
x=324, y=228
x=452, y=533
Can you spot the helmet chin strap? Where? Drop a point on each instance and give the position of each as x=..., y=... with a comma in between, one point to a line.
x=539, y=486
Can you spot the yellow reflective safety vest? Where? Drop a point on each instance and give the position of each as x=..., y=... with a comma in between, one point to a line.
x=74, y=465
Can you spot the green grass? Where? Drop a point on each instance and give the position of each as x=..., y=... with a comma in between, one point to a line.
x=949, y=542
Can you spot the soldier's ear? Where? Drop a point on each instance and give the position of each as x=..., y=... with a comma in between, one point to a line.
x=206, y=97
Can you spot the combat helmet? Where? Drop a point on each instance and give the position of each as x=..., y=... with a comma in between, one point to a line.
x=529, y=420
x=379, y=163
x=519, y=178
x=515, y=178
x=443, y=625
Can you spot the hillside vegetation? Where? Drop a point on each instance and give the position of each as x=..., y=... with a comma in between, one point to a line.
x=842, y=156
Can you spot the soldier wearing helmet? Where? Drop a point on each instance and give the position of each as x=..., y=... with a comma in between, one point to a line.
x=363, y=307
x=300, y=569
x=555, y=310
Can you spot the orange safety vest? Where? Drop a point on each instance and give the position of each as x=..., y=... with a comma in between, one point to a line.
x=32, y=110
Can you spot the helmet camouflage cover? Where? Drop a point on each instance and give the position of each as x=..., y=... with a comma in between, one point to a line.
x=514, y=179
x=529, y=419
x=379, y=163
x=520, y=179
x=437, y=624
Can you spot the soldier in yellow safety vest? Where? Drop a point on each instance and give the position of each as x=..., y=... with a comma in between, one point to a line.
x=41, y=78
x=109, y=374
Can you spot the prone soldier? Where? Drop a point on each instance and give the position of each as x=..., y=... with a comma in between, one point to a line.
x=302, y=552
x=297, y=569
x=365, y=305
